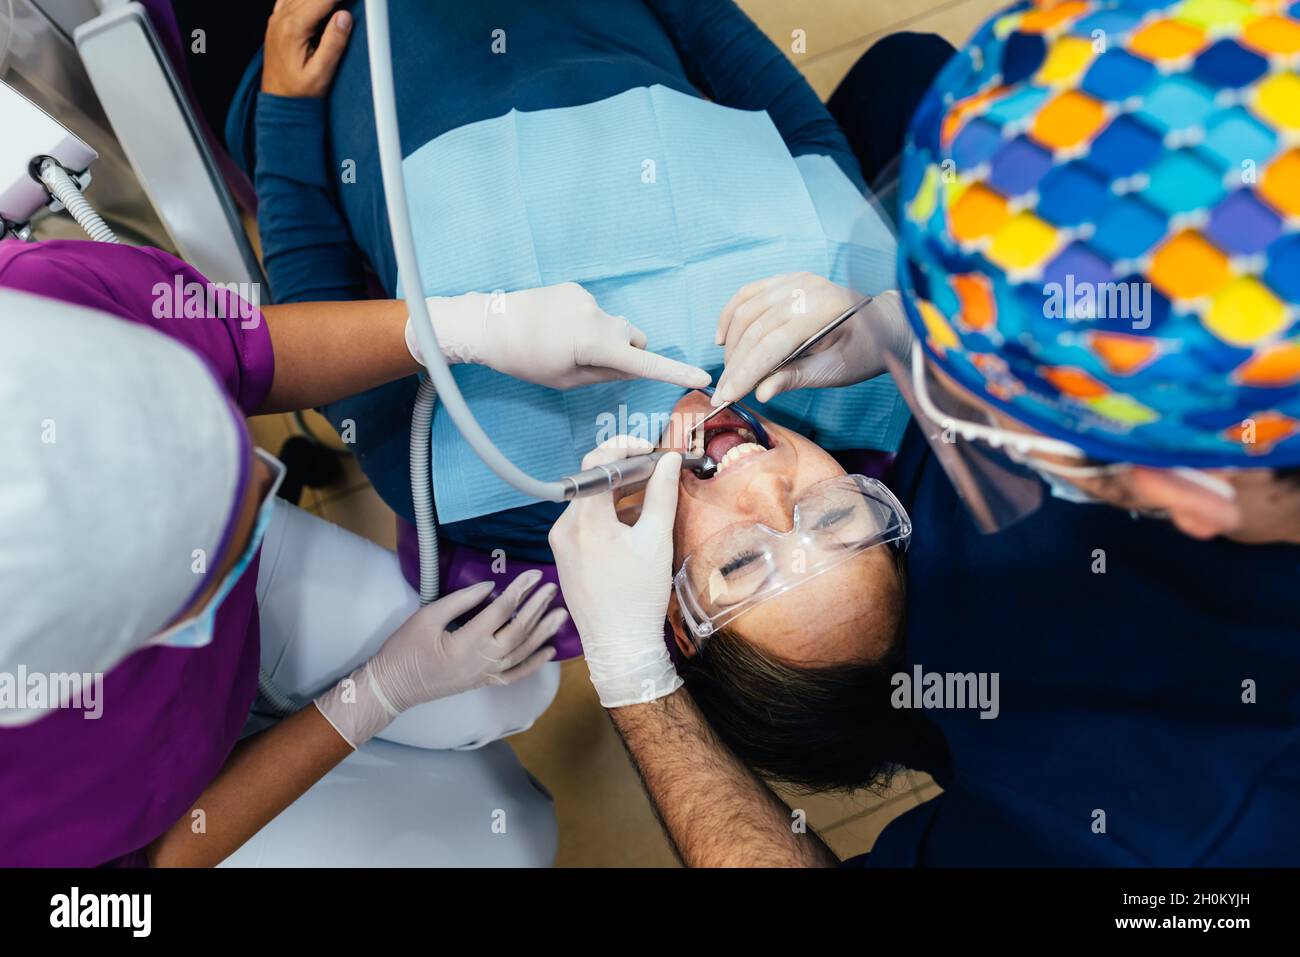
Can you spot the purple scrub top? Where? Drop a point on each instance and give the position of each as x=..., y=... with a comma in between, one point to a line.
x=77, y=792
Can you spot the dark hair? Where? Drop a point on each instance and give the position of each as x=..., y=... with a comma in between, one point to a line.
x=817, y=728
x=1290, y=474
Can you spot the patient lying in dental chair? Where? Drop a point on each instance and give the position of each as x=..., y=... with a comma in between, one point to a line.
x=662, y=154
x=787, y=614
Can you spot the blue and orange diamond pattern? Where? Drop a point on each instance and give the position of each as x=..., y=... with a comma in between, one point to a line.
x=1101, y=226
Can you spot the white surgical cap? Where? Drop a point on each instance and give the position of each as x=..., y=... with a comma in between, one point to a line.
x=121, y=465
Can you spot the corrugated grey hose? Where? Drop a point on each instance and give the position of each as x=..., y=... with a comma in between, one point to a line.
x=426, y=526
x=62, y=188
x=281, y=704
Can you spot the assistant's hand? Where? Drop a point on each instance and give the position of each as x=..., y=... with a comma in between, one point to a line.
x=294, y=66
x=616, y=580
x=766, y=320
x=423, y=660
x=556, y=336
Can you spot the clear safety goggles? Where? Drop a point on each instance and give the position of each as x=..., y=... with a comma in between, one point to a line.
x=743, y=566
x=1002, y=475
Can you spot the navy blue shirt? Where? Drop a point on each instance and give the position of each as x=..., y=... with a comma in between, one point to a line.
x=1120, y=692
x=318, y=234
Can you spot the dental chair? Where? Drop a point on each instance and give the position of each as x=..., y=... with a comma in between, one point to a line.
x=189, y=178
x=198, y=190
x=460, y=566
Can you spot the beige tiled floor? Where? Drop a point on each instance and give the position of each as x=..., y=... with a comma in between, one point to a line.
x=605, y=819
x=837, y=32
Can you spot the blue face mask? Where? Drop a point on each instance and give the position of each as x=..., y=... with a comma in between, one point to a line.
x=197, y=632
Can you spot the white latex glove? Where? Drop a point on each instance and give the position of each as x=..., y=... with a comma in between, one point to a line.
x=766, y=320
x=617, y=578
x=423, y=661
x=555, y=336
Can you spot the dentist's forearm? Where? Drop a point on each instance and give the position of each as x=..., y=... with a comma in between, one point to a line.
x=325, y=351
x=716, y=811
x=263, y=776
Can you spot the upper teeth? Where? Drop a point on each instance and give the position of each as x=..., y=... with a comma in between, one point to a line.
x=739, y=452
x=700, y=437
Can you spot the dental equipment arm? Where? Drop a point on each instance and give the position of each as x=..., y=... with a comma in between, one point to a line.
x=65, y=190
x=42, y=164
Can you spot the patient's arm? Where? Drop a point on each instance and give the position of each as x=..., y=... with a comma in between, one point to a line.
x=738, y=66
x=307, y=248
x=716, y=811
x=306, y=245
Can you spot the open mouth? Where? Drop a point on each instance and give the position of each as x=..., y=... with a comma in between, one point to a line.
x=731, y=437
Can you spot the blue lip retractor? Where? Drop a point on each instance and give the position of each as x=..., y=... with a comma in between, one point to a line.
x=751, y=420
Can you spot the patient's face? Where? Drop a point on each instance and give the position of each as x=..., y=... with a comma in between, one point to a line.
x=849, y=613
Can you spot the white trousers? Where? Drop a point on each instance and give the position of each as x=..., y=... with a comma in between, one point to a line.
x=440, y=789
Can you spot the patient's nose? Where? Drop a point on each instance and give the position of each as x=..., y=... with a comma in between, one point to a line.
x=769, y=500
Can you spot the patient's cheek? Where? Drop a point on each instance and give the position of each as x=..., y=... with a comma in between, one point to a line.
x=682, y=524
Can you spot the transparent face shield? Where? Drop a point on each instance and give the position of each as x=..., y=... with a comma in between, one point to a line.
x=741, y=567
x=1001, y=475
x=997, y=490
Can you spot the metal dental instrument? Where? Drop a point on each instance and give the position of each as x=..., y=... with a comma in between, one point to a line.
x=799, y=351
x=628, y=474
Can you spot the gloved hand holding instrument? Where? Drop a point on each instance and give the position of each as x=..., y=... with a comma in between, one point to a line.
x=771, y=330
x=617, y=579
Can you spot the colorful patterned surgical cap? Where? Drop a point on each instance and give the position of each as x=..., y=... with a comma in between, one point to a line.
x=1101, y=226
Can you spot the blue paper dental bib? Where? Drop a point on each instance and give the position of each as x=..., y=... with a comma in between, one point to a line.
x=661, y=205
